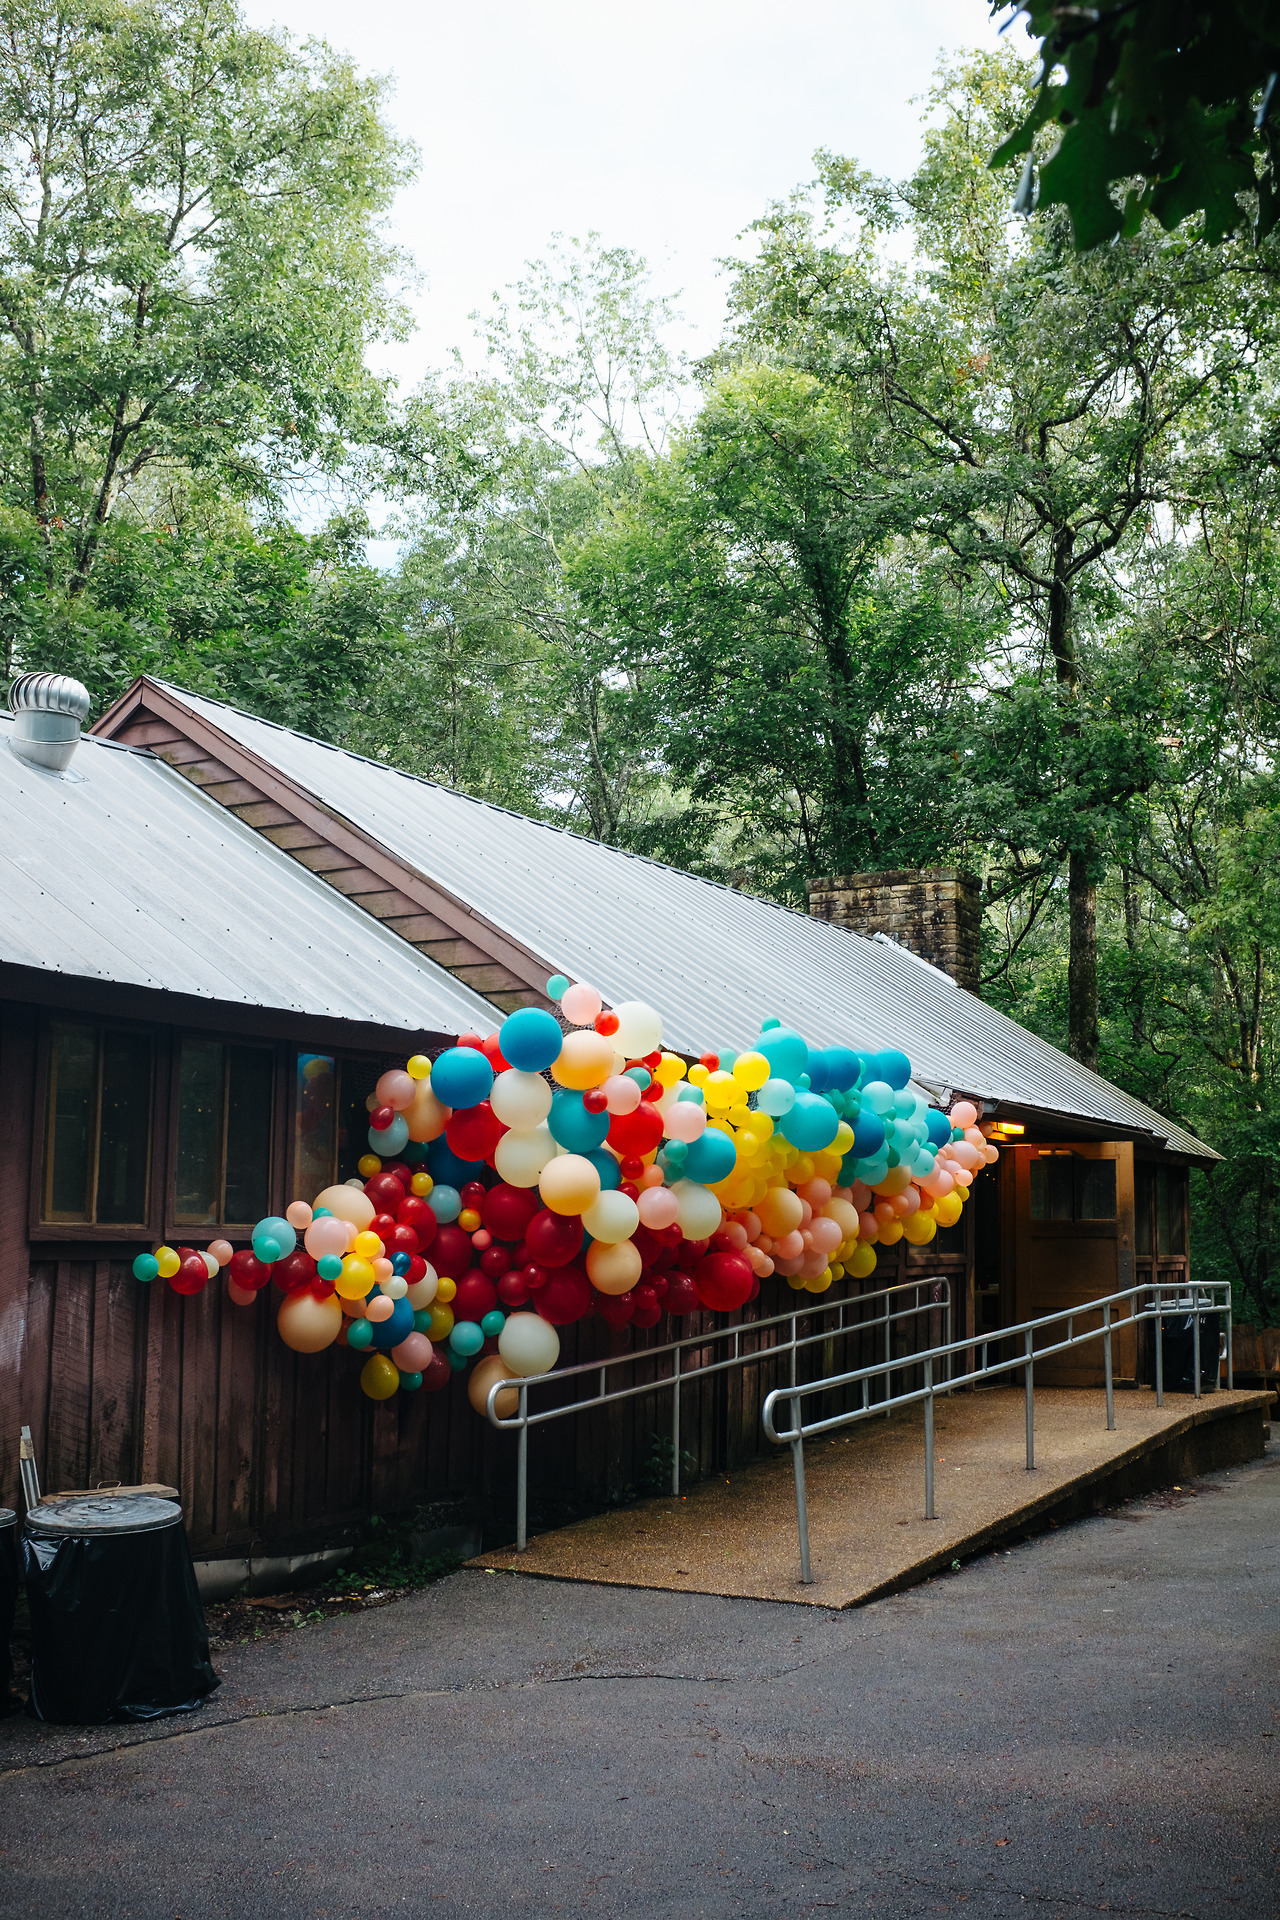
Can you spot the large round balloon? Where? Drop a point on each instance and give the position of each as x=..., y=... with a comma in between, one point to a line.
x=572, y=1127
x=639, y=1029
x=786, y=1052
x=611, y=1217
x=473, y=1132
x=892, y=1066
x=521, y=1100
x=639, y=1132
x=425, y=1115
x=585, y=1059
x=711, y=1157
x=397, y=1326
x=566, y=1296
x=553, y=1238
x=811, y=1124
x=697, y=1211
x=309, y=1325
x=613, y=1267
x=530, y=1039
x=476, y=1296
x=529, y=1344
x=507, y=1211
x=569, y=1183
x=724, y=1281
x=520, y=1155
x=485, y=1374
x=461, y=1077
x=348, y=1203
x=868, y=1134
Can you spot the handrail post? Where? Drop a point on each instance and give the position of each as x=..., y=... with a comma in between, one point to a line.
x=802, y=1508
x=1029, y=1376
x=888, y=1352
x=928, y=1440
x=522, y=1474
x=1195, y=1335
x=1106, y=1354
x=675, y=1426
x=1159, y=1345
x=1231, y=1376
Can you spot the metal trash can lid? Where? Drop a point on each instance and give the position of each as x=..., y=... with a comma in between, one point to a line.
x=104, y=1514
x=8, y=1518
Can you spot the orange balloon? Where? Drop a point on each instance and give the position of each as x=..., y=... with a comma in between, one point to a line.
x=613, y=1267
x=585, y=1060
x=425, y=1115
x=780, y=1211
x=569, y=1183
x=483, y=1375
x=306, y=1324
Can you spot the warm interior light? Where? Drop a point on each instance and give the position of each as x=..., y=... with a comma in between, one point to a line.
x=1003, y=1129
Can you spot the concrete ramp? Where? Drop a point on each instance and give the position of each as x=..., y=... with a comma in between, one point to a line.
x=736, y=1534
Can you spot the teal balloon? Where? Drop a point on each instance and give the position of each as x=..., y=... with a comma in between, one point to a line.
x=466, y=1338
x=530, y=1038
x=360, y=1334
x=446, y=1204
x=810, y=1124
x=890, y=1064
x=422, y=1320
x=878, y=1095
x=776, y=1097
x=268, y=1249
x=939, y=1126
x=675, y=1152
x=786, y=1052
x=323, y=1213
x=146, y=1267
x=868, y=1135
x=571, y=1126
x=556, y=985
x=457, y=1361
x=641, y=1075
x=279, y=1230
x=461, y=1077
x=387, y=1142
x=493, y=1323
x=607, y=1167
x=329, y=1266
x=711, y=1157
x=694, y=1095
x=410, y=1382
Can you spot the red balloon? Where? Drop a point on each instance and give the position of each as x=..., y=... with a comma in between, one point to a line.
x=493, y=1053
x=495, y=1261
x=534, y=1276
x=385, y=1191
x=381, y=1117
x=595, y=1100
x=636, y=1133
x=476, y=1296
x=417, y=1269
x=400, y=1240
x=616, y=1309
x=192, y=1273
x=451, y=1251
x=473, y=1132
x=297, y=1270
x=384, y=1225
x=322, y=1289
x=659, y=1283
x=472, y=1194
x=607, y=1022
x=723, y=1281
x=553, y=1238
x=507, y=1211
x=438, y=1373
x=681, y=1295
x=567, y=1296
x=646, y=1316
x=513, y=1289
x=248, y=1271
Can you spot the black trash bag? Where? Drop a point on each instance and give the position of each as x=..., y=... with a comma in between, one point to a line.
x=117, y=1628
x=10, y=1580
x=1178, y=1358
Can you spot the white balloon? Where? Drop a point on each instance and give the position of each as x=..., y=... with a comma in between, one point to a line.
x=614, y=1216
x=639, y=1029
x=423, y=1292
x=685, y=1120
x=521, y=1100
x=520, y=1156
x=698, y=1210
x=396, y=1288
x=529, y=1344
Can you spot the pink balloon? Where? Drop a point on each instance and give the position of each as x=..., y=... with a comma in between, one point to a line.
x=580, y=1004
x=963, y=1114
x=652, y=1177
x=991, y=1155
x=243, y=1297
x=806, y=1213
x=657, y=1207
x=906, y=1203
x=383, y=1270
x=937, y=1183
x=965, y=1155
x=685, y=1120
x=868, y=1226
x=813, y=1264
x=790, y=1246
x=816, y=1192
x=298, y=1214
x=827, y=1234
x=861, y=1196
x=736, y=1234
x=396, y=1089
x=326, y=1236
x=787, y=1267
x=413, y=1355
x=379, y=1308
x=222, y=1250
x=751, y=1221
x=622, y=1094
x=761, y=1264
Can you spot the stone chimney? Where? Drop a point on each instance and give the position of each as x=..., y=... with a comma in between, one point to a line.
x=935, y=912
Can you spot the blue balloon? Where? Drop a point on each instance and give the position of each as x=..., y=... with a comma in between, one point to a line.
x=571, y=1125
x=711, y=1157
x=786, y=1052
x=939, y=1127
x=811, y=1123
x=462, y=1077
x=818, y=1070
x=387, y=1142
x=447, y=1170
x=396, y=1327
x=868, y=1135
x=530, y=1038
x=446, y=1203
x=400, y=1263
x=892, y=1065
x=607, y=1167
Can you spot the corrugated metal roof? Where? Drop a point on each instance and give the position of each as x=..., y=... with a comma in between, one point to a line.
x=121, y=870
x=715, y=961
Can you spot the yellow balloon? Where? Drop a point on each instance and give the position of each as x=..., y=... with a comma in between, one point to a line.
x=441, y=1321
x=948, y=1209
x=422, y=1185
x=356, y=1278
x=167, y=1261
x=861, y=1261
x=585, y=1059
x=379, y=1376
x=891, y=1233
x=306, y=1324
x=759, y=1126
x=721, y=1091
x=569, y=1183
x=919, y=1228
x=367, y=1165
x=821, y=1283
x=367, y=1246
x=751, y=1070
x=418, y=1067
x=613, y=1267
x=445, y=1289
x=670, y=1070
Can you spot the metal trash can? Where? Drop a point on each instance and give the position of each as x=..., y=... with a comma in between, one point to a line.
x=1178, y=1344
x=10, y=1580
x=117, y=1628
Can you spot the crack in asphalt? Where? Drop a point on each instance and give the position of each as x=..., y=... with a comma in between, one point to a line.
x=1042, y=1899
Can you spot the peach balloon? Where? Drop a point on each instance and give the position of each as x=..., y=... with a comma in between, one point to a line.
x=381, y=1307
x=306, y=1324
x=298, y=1214
x=383, y=1270
x=658, y=1207
x=652, y=1177
x=413, y=1355
x=845, y=1216
x=330, y=1236
x=827, y=1234
x=485, y=1374
x=347, y=1203
x=425, y=1115
x=868, y=1226
x=622, y=1093
x=789, y=1245
x=613, y=1268
x=816, y=1192
x=396, y=1089
x=569, y=1183
x=354, y=1309
x=585, y=1060
x=222, y=1251
x=963, y=1114
x=580, y=1004
x=684, y=1120
x=780, y=1211
x=241, y=1296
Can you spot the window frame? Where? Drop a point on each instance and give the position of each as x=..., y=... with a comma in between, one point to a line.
x=89, y=1231
x=343, y=1058
x=227, y=1229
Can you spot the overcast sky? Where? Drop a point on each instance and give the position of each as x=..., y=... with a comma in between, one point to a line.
x=666, y=128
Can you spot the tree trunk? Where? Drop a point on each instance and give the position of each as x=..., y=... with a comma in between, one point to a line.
x=1082, y=966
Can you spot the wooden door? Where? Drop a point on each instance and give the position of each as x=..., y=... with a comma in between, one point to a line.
x=1073, y=1242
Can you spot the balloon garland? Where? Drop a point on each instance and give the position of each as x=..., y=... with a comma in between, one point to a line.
x=550, y=1174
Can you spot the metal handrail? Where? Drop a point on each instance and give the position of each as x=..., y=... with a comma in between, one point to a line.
x=1205, y=1296
x=894, y=1311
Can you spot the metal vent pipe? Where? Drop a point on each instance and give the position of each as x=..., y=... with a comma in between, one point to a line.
x=48, y=710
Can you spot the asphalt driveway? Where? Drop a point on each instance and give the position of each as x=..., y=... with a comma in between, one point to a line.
x=1088, y=1723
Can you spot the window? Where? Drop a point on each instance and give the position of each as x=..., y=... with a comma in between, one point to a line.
x=331, y=1119
x=1144, y=1181
x=223, y=1174
x=1067, y=1188
x=97, y=1163
x=1171, y=1225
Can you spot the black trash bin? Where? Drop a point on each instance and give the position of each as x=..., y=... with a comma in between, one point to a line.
x=1178, y=1344
x=117, y=1628
x=10, y=1580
